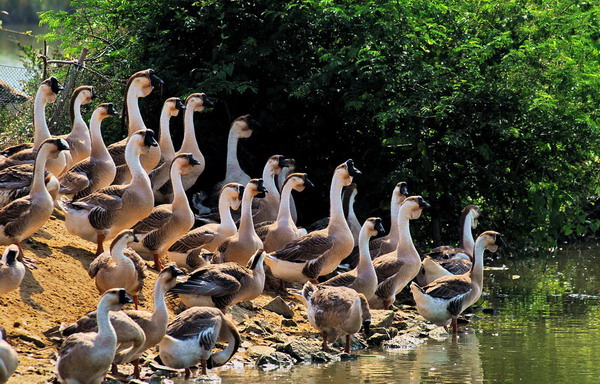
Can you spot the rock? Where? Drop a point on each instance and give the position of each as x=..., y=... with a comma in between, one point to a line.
x=255, y=327
x=260, y=350
x=347, y=356
x=378, y=338
x=289, y=323
x=247, y=305
x=382, y=318
x=280, y=307
x=32, y=339
x=278, y=338
x=403, y=342
x=321, y=357
x=299, y=349
x=274, y=360
x=438, y=334
x=246, y=344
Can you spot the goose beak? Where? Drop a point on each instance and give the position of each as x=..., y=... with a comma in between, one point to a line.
x=283, y=162
x=308, y=183
x=500, y=241
x=112, y=111
x=352, y=170
x=149, y=139
x=179, y=105
x=423, y=203
x=194, y=161
x=124, y=298
x=207, y=102
x=94, y=95
x=253, y=123
x=404, y=189
x=55, y=85
x=62, y=145
x=155, y=80
x=379, y=227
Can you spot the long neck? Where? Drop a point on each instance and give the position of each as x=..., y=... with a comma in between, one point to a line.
x=269, y=183
x=179, y=199
x=364, y=262
x=132, y=157
x=99, y=150
x=405, y=243
x=284, y=215
x=394, y=208
x=233, y=343
x=466, y=239
x=336, y=212
x=78, y=122
x=477, y=267
x=232, y=161
x=160, y=314
x=166, y=144
x=37, y=184
x=189, y=144
x=225, y=213
x=40, y=128
x=246, y=222
x=117, y=253
x=133, y=112
x=105, y=328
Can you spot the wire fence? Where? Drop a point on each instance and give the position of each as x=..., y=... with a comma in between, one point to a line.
x=13, y=81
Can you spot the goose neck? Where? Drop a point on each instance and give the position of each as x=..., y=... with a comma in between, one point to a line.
x=117, y=253
x=99, y=150
x=38, y=185
x=233, y=343
x=477, y=266
x=336, y=213
x=466, y=239
x=133, y=111
x=160, y=315
x=179, y=197
x=269, y=183
x=41, y=131
x=394, y=210
x=405, y=243
x=78, y=122
x=189, y=144
x=225, y=213
x=105, y=328
x=132, y=158
x=232, y=159
x=284, y=215
x=246, y=222
x=166, y=144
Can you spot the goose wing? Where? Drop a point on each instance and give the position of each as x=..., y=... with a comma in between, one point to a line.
x=448, y=287
x=262, y=229
x=17, y=176
x=445, y=252
x=210, y=281
x=193, y=239
x=117, y=151
x=104, y=260
x=157, y=218
x=192, y=322
x=13, y=216
x=342, y=280
x=456, y=266
x=387, y=266
x=138, y=262
x=7, y=152
x=73, y=181
x=306, y=248
x=109, y=198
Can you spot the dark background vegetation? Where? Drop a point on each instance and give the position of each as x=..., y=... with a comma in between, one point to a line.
x=492, y=102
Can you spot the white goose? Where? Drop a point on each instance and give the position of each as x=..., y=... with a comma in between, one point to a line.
x=9, y=360
x=267, y=208
x=12, y=271
x=79, y=140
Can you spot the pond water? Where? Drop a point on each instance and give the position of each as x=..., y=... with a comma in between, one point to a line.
x=545, y=331
x=11, y=67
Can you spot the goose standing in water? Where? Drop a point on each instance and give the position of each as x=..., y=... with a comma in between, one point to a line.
x=79, y=140
x=12, y=270
x=242, y=245
x=97, y=171
x=209, y=236
x=267, y=208
x=363, y=278
x=86, y=357
x=335, y=311
x=161, y=174
x=140, y=84
x=319, y=252
x=8, y=358
x=46, y=93
x=278, y=233
x=222, y=285
x=116, y=269
x=191, y=337
x=103, y=214
x=443, y=300
x=167, y=222
x=396, y=269
x=23, y=217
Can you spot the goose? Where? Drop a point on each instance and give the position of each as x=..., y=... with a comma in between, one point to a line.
x=15, y=182
x=351, y=218
x=363, y=278
x=241, y=128
x=160, y=175
x=167, y=222
x=98, y=170
x=222, y=285
x=24, y=216
x=85, y=358
x=209, y=236
x=196, y=102
x=385, y=244
x=322, y=223
x=140, y=84
x=12, y=270
x=242, y=245
x=319, y=252
x=267, y=208
x=79, y=140
x=278, y=233
x=285, y=172
x=116, y=269
x=8, y=358
x=443, y=300
x=396, y=269
x=335, y=311
x=191, y=337
x=46, y=93
x=103, y=214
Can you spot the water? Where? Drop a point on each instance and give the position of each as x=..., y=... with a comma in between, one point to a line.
x=545, y=331
x=11, y=67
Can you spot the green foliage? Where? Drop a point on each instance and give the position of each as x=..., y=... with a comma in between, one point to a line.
x=490, y=102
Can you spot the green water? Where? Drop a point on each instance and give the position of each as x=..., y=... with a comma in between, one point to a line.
x=546, y=331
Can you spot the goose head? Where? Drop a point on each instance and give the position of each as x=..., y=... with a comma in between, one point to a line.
x=473, y=212
x=346, y=172
x=54, y=146
x=105, y=110
x=50, y=88
x=173, y=105
x=115, y=298
x=256, y=188
x=232, y=193
x=144, y=139
x=123, y=240
x=400, y=192
x=373, y=226
x=143, y=82
x=413, y=206
x=275, y=164
x=197, y=101
x=243, y=126
x=10, y=255
x=168, y=276
x=85, y=94
x=184, y=162
x=298, y=181
x=492, y=240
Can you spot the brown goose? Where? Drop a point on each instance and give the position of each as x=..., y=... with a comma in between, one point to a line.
x=97, y=171
x=167, y=222
x=118, y=268
x=106, y=212
x=191, y=337
x=241, y=246
x=363, y=278
x=140, y=84
x=46, y=93
x=8, y=358
x=86, y=357
x=209, y=236
x=12, y=270
x=443, y=300
x=222, y=285
x=267, y=208
x=282, y=231
x=396, y=269
x=79, y=139
x=319, y=252
x=23, y=217
x=336, y=311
